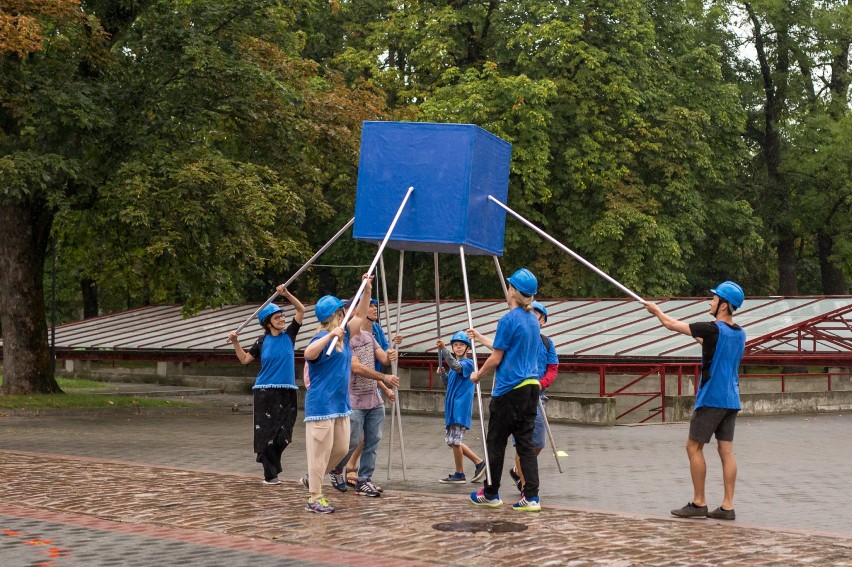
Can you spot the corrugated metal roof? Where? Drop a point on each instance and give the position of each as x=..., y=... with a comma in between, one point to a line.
x=580, y=328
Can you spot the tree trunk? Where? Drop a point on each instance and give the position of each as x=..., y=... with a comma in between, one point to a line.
x=27, y=367
x=90, y=297
x=787, y=279
x=834, y=282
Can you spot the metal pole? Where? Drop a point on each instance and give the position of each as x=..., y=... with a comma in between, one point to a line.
x=549, y=434
x=53, y=308
x=475, y=367
x=394, y=364
x=386, y=318
x=438, y=311
x=579, y=258
x=298, y=272
x=354, y=303
x=502, y=279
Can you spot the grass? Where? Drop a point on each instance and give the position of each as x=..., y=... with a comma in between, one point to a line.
x=72, y=399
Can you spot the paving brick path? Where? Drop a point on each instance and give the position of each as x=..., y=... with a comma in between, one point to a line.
x=181, y=489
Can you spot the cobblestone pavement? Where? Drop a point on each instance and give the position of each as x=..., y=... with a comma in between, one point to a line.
x=117, y=488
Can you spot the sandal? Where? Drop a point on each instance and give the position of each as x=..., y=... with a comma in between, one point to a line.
x=351, y=480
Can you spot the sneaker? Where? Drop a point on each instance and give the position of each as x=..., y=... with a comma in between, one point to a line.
x=480, y=499
x=691, y=511
x=722, y=514
x=272, y=481
x=367, y=488
x=479, y=473
x=304, y=481
x=320, y=506
x=338, y=481
x=527, y=504
x=516, y=478
x=455, y=478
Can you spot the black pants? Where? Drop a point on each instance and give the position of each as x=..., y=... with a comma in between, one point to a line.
x=275, y=412
x=513, y=414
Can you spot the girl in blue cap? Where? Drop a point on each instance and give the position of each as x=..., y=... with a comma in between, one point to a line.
x=327, y=407
x=458, y=406
x=275, y=388
x=514, y=399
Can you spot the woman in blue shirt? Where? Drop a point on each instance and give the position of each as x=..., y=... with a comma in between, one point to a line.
x=275, y=405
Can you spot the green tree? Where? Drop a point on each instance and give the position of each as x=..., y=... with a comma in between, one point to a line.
x=182, y=154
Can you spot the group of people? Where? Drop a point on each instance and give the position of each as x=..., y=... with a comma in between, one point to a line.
x=344, y=411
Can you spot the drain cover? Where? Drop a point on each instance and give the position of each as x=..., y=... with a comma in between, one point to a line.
x=486, y=526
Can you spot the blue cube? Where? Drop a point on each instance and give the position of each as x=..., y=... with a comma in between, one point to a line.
x=453, y=169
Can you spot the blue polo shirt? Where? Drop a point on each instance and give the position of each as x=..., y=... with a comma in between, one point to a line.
x=518, y=335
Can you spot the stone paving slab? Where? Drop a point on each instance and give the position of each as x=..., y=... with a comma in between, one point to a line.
x=163, y=502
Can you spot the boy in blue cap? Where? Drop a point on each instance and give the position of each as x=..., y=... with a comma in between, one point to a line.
x=458, y=406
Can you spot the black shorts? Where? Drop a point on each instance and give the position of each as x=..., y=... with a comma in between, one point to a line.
x=707, y=421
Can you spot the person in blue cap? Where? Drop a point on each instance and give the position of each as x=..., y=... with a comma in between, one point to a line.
x=548, y=368
x=275, y=390
x=327, y=406
x=458, y=406
x=514, y=399
x=717, y=400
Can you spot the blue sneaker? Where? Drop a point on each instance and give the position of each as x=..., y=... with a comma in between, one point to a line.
x=479, y=472
x=338, y=481
x=480, y=499
x=527, y=504
x=455, y=478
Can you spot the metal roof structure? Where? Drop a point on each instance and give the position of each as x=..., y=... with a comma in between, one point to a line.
x=812, y=330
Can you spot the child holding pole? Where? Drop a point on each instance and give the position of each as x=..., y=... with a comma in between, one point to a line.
x=514, y=400
x=327, y=407
x=458, y=406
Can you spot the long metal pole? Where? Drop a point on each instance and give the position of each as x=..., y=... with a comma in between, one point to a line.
x=502, y=279
x=375, y=261
x=549, y=434
x=394, y=364
x=386, y=318
x=438, y=311
x=475, y=367
x=579, y=258
x=298, y=272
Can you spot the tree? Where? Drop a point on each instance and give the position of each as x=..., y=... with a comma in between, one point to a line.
x=192, y=140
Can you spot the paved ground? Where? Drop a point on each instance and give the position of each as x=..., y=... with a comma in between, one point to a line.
x=182, y=487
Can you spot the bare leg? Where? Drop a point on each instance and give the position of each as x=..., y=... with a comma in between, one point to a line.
x=698, y=470
x=729, y=472
x=352, y=465
x=457, y=458
x=468, y=452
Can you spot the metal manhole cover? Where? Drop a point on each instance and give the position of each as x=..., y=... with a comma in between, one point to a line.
x=493, y=527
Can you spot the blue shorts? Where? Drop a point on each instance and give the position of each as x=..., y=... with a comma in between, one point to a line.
x=539, y=435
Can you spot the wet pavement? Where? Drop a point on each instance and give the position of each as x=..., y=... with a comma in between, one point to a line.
x=181, y=487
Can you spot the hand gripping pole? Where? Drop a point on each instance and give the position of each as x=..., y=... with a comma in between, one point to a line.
x=354, y=303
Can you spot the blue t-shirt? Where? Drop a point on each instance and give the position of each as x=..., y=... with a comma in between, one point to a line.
x=458, y=404
x=379, y=334
x=277, y=367
x=518, y=335
x=546, y=355
x=722, y=350
x=328, y=396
